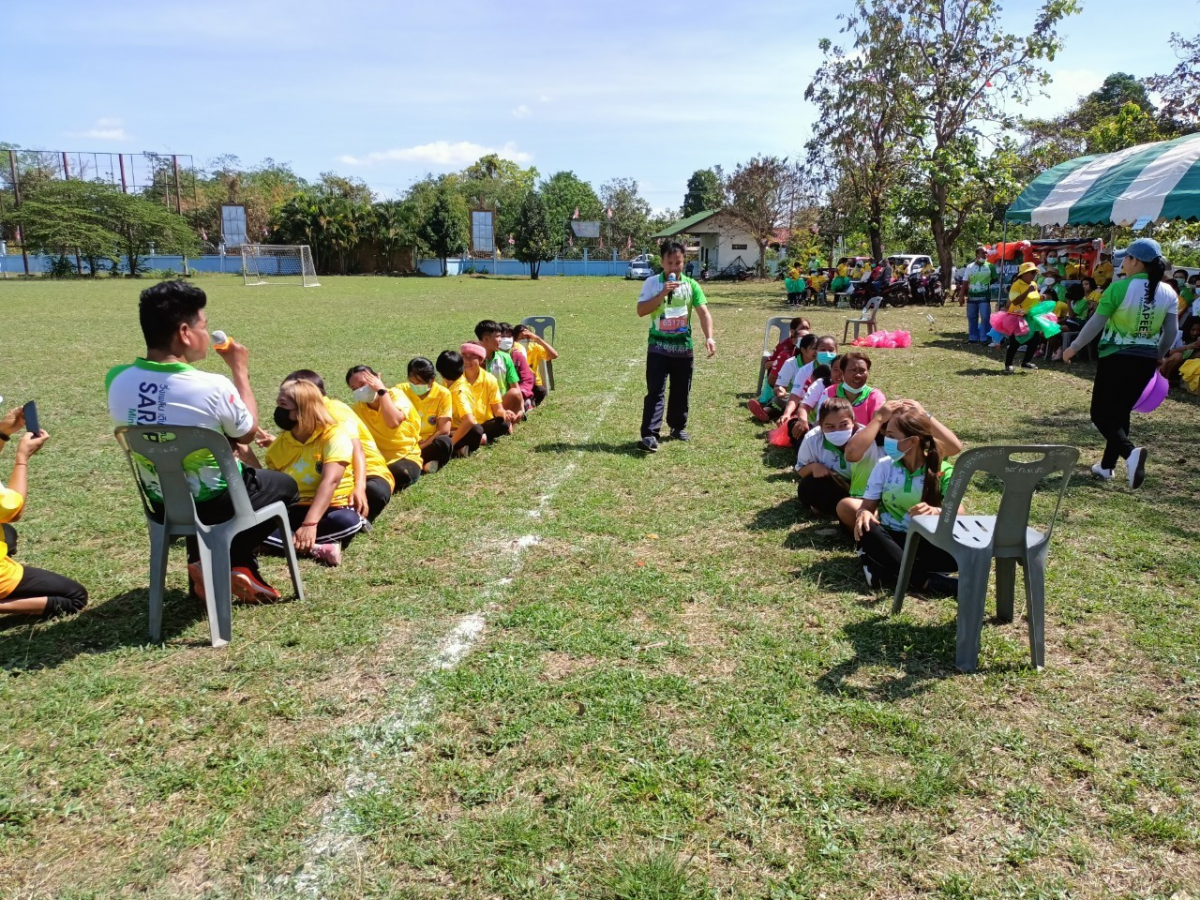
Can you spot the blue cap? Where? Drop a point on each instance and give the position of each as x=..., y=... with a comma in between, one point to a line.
x=1144, y=249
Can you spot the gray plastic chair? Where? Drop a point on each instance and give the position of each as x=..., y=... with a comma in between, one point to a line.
x=867, y=317
x=782, y=324
x=543, y=325
x=974, y=541
x=166, y=447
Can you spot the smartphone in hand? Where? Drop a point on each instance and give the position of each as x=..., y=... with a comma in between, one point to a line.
x=32, y=425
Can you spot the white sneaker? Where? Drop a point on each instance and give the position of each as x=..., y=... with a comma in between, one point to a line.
x=1102, y=473
x=1135, y=467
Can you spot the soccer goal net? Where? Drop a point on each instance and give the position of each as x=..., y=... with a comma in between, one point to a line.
x=278, y=264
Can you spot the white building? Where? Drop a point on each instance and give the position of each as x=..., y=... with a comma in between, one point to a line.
x=722, y=240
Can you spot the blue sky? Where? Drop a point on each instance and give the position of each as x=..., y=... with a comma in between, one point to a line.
x=388, y=90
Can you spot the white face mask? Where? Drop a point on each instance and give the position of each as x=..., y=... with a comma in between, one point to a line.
x=506, y=344
x=839, y=438
x=364, y=394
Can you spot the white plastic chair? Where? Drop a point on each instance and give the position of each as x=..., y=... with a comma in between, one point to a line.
x=782, y=324
x=974, y=541
x=866, y=317
x=166, y=447
x=543, y=325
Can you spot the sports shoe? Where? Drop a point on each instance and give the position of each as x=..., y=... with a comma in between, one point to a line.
x=941, y=585
x=680, y=434
x=1102, y=473
x=1135, y=467
x=1029, y=365
x=873, y=582
x=328, y=554
x=196, y=579
x=431, y=467
x=648, y=445
x=249, y=587
x=1009, y=370
x=756, y=410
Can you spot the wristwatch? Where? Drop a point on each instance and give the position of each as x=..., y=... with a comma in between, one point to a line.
x=381, y=392
x=4, y=437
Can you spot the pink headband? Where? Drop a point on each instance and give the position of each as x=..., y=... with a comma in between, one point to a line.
x=470, y=348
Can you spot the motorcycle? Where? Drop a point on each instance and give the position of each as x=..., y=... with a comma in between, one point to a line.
x=895, y=294
x=926, y=289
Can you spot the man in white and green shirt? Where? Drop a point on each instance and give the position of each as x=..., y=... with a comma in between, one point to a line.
x=669, y=299
x=977, y=282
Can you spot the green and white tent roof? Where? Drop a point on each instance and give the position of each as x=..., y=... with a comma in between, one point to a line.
x=1155, y=182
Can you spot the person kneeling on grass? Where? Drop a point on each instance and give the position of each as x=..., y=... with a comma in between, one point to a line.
x=24, y=589
x=319, y=454
x=500, y=364
x=373, y=482
x=537, y=351
x=478, y=415
x=392, y=422
x=909, y=480
x=432, y=406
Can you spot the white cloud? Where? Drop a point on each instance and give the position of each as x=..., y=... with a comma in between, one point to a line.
x=521, y=112
x=105, y=129
x=545, y=98
x=439, y=153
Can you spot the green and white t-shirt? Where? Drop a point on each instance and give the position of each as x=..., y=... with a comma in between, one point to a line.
x=980, y=279
x=814, y=448
x=671, y=322
x=899, y=490
x=167, y=394
x=1134, y=326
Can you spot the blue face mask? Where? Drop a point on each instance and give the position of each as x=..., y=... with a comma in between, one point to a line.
x=891, y=447
x=825, y=358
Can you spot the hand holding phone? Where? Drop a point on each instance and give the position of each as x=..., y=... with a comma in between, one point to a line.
x=32, y=425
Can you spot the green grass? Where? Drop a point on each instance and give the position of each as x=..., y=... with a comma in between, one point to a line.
x=683, y=692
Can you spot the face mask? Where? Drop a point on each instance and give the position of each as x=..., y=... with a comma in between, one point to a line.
x=419, y=389
x=506, y=344
x=1051, y=259
x=283, y=419
x=825, y=358
x=839, y=438
x=364, y=394
x=891, y=447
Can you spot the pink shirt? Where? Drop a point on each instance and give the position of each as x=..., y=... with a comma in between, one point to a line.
x=865, y=409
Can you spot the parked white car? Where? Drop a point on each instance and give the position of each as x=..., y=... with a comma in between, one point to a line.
x=639, y=269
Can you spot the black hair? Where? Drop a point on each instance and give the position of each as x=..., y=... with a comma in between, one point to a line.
x=450, y=365
x=1075, y=292
x=666, y=248
x=520, y=329
x=827, y=337
x=165, y=306
x=487, y=326
x=354, y=370
x=1156, y=269
x=310, y=376
x=804, y=343
x=421, y=367
x=505, y=328
x=822, y=373
x=795, y=323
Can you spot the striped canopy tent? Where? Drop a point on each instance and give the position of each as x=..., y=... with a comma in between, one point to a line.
x=1148, y=183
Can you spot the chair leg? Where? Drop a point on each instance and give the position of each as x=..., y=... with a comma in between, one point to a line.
x=217, y=591
x=846, y=333
x=973, y=573
x=1035, y=608
x=906, y=567
x=762, y=374
x=160, y=552
x=1006, y=582
x=550, y=372
x=293, y=561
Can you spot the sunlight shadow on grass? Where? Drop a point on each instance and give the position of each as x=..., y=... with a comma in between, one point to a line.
x=624, y=449
x=924, y=654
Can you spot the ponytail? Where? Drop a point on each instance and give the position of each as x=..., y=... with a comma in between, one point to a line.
x=913, y=424
x=1156, y=270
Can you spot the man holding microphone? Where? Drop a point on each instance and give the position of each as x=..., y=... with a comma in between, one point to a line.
x=669, y=299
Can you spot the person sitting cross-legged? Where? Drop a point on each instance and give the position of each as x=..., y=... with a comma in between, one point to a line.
x=433, y=407
x=390, y=418
x=478, y=415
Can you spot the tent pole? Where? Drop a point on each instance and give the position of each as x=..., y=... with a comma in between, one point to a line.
x=1004, y=252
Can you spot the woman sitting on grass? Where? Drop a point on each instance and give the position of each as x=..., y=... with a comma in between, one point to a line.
x=908, y=481
x=864, y=399
x=389, y=417
x=24, y=589
x=318, y=453
x=827, y=475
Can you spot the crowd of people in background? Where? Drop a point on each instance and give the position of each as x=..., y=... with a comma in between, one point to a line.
x=336, y=466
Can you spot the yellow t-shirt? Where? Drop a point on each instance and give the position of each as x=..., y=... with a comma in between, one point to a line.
x=11, y=572
x=537, y=355
x=394, y=443
x=436, y=404
x=1103, y=274
x=1062, y=309
x=303, y=461
x=483, y=393
x=376, y=465
x=1030, y=301
x=817, y=282
x=842, y=271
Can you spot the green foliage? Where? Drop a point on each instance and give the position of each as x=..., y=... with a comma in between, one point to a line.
x=630, y=219
x=332, y=226
x=446, y=230
x=703, y=192
x=1180, y=88
x=533, y=236
x=758, y=195
x=565, y=192
x=498, y=184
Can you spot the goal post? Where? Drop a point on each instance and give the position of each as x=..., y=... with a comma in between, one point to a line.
x=278, y=264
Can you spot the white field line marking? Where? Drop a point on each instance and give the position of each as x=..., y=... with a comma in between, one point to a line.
x=392, y=736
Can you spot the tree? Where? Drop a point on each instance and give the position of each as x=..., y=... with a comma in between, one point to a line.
x=498, y=184
x=760, y=195
x=533, y=238
x=1180, y=88
x=446, y=230
x=563, y=193
x=703, y=192
x=627, y=214
x=141, y=222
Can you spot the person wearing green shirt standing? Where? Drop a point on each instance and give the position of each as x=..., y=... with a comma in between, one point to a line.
x=669, y=299
x=977, y=282
x=1137, y=323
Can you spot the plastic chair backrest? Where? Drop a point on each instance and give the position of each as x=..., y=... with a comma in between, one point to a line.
x=541, y=325
x=783, y=325
x=166, y=447
x=1020, y=480
x=872, y=307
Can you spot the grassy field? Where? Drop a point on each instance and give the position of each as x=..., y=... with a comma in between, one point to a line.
x=564, y=670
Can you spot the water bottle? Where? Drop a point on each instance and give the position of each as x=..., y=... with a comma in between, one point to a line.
x=220, y=340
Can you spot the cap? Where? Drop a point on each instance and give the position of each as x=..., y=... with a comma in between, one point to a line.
x=1144, y=250
x=472, y=349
